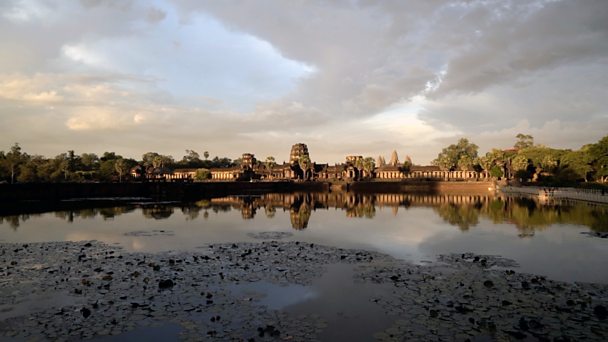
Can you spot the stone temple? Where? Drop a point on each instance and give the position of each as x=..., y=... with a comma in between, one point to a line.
x=297, y=151
x=355, y=168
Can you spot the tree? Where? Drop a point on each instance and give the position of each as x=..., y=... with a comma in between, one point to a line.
x=369, y=166
x=29, y=171
x=13, y=159
x=518, y=166
x=89, y=161
x=598, y=155
x=106, y=170
x=575, y=165
x=72, y=160
x=407, y=165
x=465, y=163
x=450, y=156
x=304, y=163
x=519, y=162
x=3, y=171
x=270, y=162
x=121, y=167
x=206, y=155
x=157, y=162
x=202, y=174
x=148, y=158
x=496, y=171
x=108, y=156
x=485, y=162
x=359, y=163
x=191, y=159
x=524, y=141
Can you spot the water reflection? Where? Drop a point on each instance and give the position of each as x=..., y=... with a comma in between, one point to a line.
x=526, y=214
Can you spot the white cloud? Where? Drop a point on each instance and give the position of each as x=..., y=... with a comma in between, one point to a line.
x=102, y=119
x=344, y=77
x=24, y=11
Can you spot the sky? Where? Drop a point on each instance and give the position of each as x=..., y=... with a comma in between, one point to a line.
x=344, y=77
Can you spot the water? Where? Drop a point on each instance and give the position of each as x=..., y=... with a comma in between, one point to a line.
x=544, y=239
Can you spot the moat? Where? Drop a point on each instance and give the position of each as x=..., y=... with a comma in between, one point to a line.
x=306, y=266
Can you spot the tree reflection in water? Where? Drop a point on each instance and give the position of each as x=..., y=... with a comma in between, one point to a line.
x=462, y=216
x=157, y=212
x=462, y=211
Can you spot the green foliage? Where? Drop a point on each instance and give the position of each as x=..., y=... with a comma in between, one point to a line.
x=270, y=162
x=598, y=155
x=368, y=165
x=519, y=163
x=13, y=159
x=304, y=162
x=496, y=171
x=406, y=166
x=576, y=164
x=191, y=160
x=529, y=215
x=89, y=162
x=158, y=160
x=485, y=162
x=202, y=174
x=106, y=170
x=463, y=216
x=121, y=167
x=451, y=156
x=541, y=156
x=465, y=163
x=31, y=170
x=543, y=164
x=524, y=141
x=3, y=171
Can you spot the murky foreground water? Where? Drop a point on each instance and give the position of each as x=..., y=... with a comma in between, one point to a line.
x=338, y=292
x=546, y=239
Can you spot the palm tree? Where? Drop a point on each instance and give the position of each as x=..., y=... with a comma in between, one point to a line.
x=270, y=163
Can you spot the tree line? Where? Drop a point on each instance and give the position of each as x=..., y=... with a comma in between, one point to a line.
x=17, y=166
x=524, y=162
x=528, y=162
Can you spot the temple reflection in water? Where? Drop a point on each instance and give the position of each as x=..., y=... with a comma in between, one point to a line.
x=463, y=211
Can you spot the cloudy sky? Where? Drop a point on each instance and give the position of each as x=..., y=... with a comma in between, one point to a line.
x=344, y=77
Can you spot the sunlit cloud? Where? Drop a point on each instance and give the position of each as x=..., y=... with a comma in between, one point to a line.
x=100, y=119
x=344, y=77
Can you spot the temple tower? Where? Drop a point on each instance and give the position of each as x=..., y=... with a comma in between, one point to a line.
x=298, y=150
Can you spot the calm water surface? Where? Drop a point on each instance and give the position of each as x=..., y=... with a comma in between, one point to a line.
x=545, y=239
